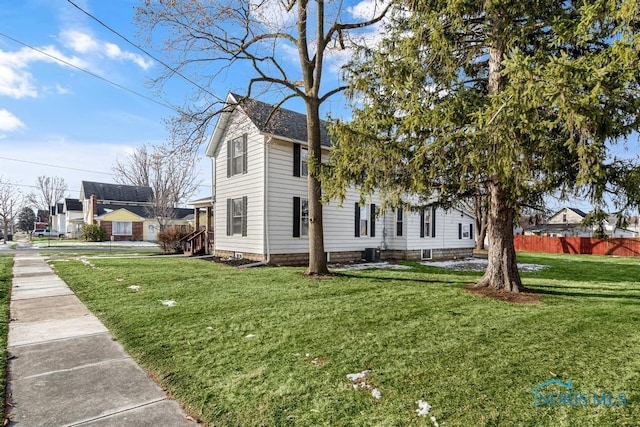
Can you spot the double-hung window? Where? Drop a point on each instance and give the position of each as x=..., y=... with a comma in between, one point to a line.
x=300, y=217
x=399, y=221
x=365, y=220
x=300, y=158
x=237, y=156
x=237, y=216
x=428, y=222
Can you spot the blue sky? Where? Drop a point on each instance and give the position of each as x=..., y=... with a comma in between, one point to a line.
x=56, y=119
x=54, y=114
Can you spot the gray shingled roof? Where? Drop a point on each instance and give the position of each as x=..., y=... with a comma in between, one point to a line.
x=578, y=211
x=284, y=123
x=73, y=204
x=116, y=192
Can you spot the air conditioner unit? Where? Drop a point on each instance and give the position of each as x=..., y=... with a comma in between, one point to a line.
x=372, y=254
x=237, y=255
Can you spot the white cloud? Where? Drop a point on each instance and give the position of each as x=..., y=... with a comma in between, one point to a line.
x=15, y=79
x=79, y=41
x=84, y=42
x=61, y=90
x=113, y=51
x=15, y=83
x=9, y=122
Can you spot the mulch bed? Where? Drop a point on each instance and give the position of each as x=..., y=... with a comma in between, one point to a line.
x=526, y=297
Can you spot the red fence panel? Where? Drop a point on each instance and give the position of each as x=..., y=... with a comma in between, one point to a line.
x=578, y=245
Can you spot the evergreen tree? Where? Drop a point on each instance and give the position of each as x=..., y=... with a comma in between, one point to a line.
x=519, y=98
x=26, y=219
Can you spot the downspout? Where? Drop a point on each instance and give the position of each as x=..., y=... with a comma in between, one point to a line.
x=265, y=207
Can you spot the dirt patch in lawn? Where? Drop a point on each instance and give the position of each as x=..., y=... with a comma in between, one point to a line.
x=526, y=297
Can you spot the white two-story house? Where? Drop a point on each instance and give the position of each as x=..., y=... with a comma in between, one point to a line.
x=261, y=211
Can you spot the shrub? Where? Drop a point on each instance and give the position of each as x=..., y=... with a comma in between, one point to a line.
x=92, y=233
x=170, y=237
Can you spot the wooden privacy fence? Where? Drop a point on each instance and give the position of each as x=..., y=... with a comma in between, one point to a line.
x=578, y=245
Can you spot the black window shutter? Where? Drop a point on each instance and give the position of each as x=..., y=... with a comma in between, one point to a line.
x=296, y=159
x=296, y=217
x=244, y=153
x=422, y=223
x=459, y=231
x=244, y=216
x=373, y=220
x=229, y=162
x=229, y=216
x=357, y=220
x=433, y=222
x=471, y=231
x=399, y=221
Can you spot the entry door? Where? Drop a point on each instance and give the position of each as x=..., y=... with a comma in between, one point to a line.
x=151, y=232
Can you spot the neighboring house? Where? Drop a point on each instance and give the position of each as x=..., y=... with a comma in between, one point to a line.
x=568, y=222
x=124, y=212
x=260, y=194
x=73, y=218
x=42, y=219
x=58, y=218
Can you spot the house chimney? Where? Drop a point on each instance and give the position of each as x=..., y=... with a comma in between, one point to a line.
x=93, y=208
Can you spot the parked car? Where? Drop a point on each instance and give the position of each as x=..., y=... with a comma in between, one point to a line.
x=45, y=232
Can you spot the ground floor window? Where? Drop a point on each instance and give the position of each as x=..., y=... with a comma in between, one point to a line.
x=122, y=228
x=237, y=216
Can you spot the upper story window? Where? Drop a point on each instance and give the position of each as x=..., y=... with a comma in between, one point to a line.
x=237, y=156
x=304, y=154
x=300, y=158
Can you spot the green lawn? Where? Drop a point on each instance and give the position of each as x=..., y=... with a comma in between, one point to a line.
x=268, y=346
x=6, y=264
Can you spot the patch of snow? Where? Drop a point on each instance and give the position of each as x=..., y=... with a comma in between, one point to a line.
x=477, y=264
x=434, y=421
x=135, y=288
x=250, y=336
x=168, y=303
x=369, y=266
x=209, y=328
x=86, y=262
x=376, y=393
x=119, y=280
x=358, y=376
x=423, y=408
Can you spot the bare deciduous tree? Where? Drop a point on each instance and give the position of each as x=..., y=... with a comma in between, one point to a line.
x=171, y=174
x=10, y=199
x=49, y=190
x=283, y=46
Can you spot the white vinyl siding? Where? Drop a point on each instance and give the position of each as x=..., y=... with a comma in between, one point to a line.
x=249, y=185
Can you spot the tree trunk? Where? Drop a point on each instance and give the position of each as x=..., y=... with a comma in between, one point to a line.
x=317, y=258
x=480, y=208
x=502, y=271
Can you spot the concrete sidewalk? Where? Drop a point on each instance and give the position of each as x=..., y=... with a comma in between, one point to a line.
x=65, y=369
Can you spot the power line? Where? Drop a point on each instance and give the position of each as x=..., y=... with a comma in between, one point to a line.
x=56, y=166
x=90, y=73
x=66, y=167
x=169, y=67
